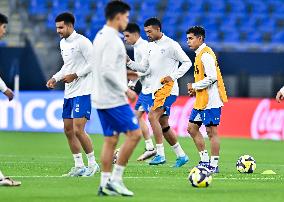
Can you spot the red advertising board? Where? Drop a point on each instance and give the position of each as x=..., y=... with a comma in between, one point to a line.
x=241, y=118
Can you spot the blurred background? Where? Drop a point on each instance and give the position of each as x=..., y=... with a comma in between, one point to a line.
x=247, y=36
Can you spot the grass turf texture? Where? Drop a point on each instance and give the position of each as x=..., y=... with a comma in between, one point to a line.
x=39, y=159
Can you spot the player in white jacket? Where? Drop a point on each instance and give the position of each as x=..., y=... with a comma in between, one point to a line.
x=5, y=181
x=76, y=73
x=144, y=102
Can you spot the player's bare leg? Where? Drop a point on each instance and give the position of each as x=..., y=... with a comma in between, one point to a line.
x=75, y=148
x=86, y=142
x=149, y=149
x=171, y=138
x=193, y=130
x=116, y=182
x=154, y=116
x=212, y=133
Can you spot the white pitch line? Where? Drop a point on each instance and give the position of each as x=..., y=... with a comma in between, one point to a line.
x=149, y=177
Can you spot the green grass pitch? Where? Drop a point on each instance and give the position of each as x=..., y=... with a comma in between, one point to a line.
x=39, y=159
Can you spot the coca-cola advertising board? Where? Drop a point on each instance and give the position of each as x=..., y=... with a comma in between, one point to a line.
x=241, y=118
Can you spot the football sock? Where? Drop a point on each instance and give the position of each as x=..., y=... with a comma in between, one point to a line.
x=1, y=175
x=78, y=160
x=91, y=159
x=149, y=144
x=160, y=149
x=105, y=176
x=214, y=161
x=204, y=157
x=178, y=150
x=117, y=173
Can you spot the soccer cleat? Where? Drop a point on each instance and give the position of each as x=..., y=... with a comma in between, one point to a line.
x=180, y=161
x=106, y=192
x=204, y=164
x=75, y=172
x=158, y=159
x=118, y=187
x=91, y=170
x=213, y=169
x=147, y=154
x=9, y=182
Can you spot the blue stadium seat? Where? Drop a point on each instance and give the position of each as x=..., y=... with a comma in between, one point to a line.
x=278, y=37
x=231, y=37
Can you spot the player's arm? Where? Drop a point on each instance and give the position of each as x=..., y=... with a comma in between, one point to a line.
x=179, y=55
x=5, y=90
x=280, y=95
x=139, y=67
x=51, y=83
x=87, y=50
x=210, y=71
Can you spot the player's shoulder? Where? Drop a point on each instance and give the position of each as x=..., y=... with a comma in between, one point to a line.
x=171, y=42
x=82, y=38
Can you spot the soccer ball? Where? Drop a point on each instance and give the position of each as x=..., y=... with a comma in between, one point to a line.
x=246, y=164
x=200, y=177
x=115, y=156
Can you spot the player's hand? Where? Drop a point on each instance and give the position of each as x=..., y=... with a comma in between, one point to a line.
x=69, y=78
x=131, y=75
x=279, y=97
x=127, y=59
x=9, y=94
x=51, y=83
x=167, y=79
x=131, y=95
x=191, y=91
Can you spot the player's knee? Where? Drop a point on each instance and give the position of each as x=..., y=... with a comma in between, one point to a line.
x=211, y=133
x=68, y=131
x=78, y=130
x=166, y=129
x=192, y=130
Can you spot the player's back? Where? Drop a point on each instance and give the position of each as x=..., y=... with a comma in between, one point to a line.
x=109, y=69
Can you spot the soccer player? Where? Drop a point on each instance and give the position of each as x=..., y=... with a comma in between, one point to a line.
x=132, y=37
x=210, y=95
x=162, y=60
x=5, y=181
x=76, y=51
x=110, y=95
x=280, y=95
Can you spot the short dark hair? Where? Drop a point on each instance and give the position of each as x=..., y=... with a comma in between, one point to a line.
x=153, y=22
x=197, y=31
x=132, y=28
x=3, y=19
x=115, y=7
x=66, y=17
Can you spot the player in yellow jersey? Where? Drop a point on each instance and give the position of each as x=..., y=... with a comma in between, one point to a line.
x=210, y=95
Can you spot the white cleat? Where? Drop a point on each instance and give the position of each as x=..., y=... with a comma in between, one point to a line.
x=147, y=154
x=118, y=187
x=91, y=170
x=9, y=182
x=75, y=172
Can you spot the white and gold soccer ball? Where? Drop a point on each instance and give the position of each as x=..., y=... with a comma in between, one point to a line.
x=200, y=177
x=246, y=164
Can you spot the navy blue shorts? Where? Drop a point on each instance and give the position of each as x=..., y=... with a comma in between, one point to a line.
x=77, y=107
x=118, y=120
x=144, y=102
x=208, y=117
